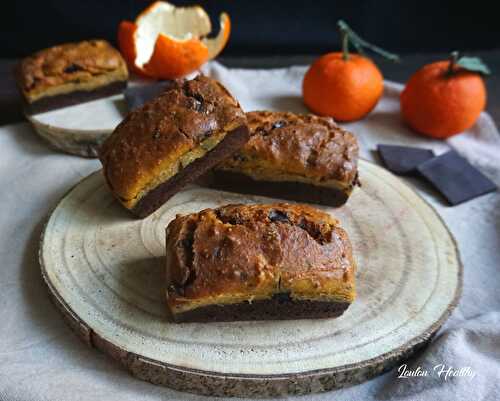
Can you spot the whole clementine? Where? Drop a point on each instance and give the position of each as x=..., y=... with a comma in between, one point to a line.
x=441, y=100
x=345, y=89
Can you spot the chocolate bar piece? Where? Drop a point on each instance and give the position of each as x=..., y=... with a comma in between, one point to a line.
x=136, y=96
x=403, y=160
x=258, y=262
x=455, y=178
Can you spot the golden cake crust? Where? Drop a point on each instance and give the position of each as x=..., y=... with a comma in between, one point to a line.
x=250, y=252
x=68, y=67
x=303, y=145
x=154, y=137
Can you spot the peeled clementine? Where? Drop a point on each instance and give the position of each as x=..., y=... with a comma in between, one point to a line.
x=346, y=90
x=168, y=42
x=126, y=43
x=440, y=104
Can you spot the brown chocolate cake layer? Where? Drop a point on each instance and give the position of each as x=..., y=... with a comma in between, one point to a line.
x=159, y=195
x=279, y=307
x=49, y=103
x=294, y=190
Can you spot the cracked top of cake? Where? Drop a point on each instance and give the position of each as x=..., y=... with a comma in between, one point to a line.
x=64, y=68
x=304, y=145
x=247, y=252
x=156, y=140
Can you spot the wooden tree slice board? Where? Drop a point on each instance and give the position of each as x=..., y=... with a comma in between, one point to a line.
x=80, y=129
x=105, y=271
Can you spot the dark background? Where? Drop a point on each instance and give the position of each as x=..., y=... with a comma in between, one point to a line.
x=270, y=33
x=269, y=27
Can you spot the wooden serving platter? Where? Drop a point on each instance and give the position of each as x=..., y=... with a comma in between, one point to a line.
x=105, y=272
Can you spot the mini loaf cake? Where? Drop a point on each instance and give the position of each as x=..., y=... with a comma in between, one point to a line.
x=299, y=157
x=69, y=74
x=170, y=141
x=258, y=262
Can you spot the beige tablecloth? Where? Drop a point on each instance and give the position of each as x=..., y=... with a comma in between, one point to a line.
x=41, y=359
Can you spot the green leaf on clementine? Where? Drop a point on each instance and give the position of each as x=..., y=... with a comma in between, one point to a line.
x=349, y=36
x=474, y=64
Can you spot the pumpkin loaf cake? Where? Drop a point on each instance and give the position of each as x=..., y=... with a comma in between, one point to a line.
x=304, y=158
x=70, y=73
x=258, y=262
x=170, y=141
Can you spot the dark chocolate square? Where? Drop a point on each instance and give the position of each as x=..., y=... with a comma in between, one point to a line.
x=455, y=178
x=403, y=159
x=136, y=96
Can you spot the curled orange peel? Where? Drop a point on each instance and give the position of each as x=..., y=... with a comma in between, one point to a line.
x=168, y=42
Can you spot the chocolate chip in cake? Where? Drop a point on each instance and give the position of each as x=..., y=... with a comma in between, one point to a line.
x=278, y=216
x=261, y=131
x=279, y=124
x=238, y=157
x=186, y=243
x=72, y=68
x=232, y=219
x=313, y=157
x=196, y=102
x=313, y=229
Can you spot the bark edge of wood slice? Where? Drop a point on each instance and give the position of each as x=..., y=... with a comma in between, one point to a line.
x=409, y=280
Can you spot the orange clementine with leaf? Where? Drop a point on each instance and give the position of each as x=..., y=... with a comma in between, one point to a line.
x=346, y=90
x=443, y=99
x=342, y=85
